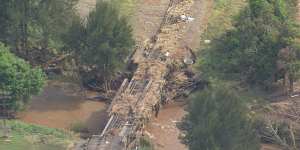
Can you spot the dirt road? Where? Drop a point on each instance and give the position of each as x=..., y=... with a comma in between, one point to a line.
x=201, y=12
x=147, y=18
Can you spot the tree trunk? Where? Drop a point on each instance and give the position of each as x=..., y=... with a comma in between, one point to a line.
x=285, y=81
x=24, y=26
x=291, y=84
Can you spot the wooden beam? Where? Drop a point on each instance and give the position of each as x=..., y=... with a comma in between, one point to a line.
x=121, y=89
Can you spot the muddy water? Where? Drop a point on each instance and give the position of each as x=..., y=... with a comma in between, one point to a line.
x=61, y=105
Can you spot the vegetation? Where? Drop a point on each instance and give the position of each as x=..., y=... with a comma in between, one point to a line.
x=250, y=50
x=218, y=119
x=18, y=79
x=221, y=18
x=40, y=31
x=34, y=24
x=257, y=44
x=145, y=144
x=102, y=43
x=32, y=137
x=79, y=127
x=126, y=7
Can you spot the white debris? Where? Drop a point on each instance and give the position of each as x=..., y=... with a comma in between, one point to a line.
x=295, y=95
x=175, y=121
x=149, y=135
x=183, y=17
x=190, y=19
x=167, y=54
x=188, y=61
x=207, y=41
x=186, y=18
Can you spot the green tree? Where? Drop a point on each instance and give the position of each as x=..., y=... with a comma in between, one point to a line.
x=18, y=79
x=4, y=18
x=102, y=42
x=19, y=19
x=54, y=17
x=31, y=24
x=218, y=120
x=249, y=51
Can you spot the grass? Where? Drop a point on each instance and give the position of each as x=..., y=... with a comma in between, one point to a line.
x=32, y=137
x=222, y=17
x=127, y=7
x=79, y=127
x=145, y=144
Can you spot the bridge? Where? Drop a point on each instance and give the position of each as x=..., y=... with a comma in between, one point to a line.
x=140, y=97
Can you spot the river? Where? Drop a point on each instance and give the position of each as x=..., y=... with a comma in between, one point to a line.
x=62, y=105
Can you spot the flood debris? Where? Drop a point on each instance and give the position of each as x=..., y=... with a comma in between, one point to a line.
x=139, y=99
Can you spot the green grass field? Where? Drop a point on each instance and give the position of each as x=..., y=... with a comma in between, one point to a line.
x=32, y=137
x=222, y=16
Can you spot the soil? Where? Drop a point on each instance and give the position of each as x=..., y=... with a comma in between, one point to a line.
x=61, y=105
x=201, y=12
x=163, y=130
x=270, y=147
x=147, y=18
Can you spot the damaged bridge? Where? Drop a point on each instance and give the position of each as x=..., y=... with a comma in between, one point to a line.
x=139, y=98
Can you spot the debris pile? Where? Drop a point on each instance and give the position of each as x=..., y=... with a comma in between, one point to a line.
x=137, y=100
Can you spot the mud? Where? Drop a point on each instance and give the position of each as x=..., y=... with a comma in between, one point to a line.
x=163, y=130
x=61, y=105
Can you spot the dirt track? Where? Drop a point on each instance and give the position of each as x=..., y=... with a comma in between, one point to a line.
x=147, y=18
x=201, y=12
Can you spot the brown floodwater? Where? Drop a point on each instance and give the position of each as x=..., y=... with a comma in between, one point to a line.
x=62, y=105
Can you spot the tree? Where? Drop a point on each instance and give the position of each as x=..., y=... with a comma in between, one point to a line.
x=250, y=50
x=54, y=17
x=4, y=18
x=102, y=42
x=18, y=79
x=218, y=120
x=35, y=24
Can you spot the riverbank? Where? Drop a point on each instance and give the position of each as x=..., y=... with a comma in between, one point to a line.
x=61, y=105
x=32, y=137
